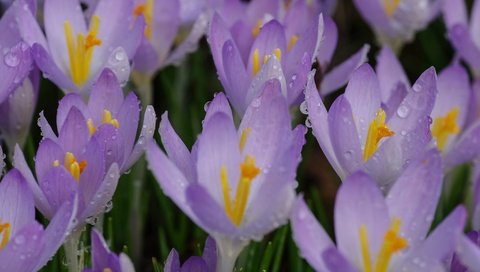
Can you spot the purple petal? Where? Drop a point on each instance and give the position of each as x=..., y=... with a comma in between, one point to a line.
x=415, y=196
x=373, y=12
x=101, y=256
x=66, y=104
x=398, y=94
x=363, y=95
x=466, y=148
x=211, y=216
x=15, y=67
x=21, y=254
x=74, y=132
x=335, y=261
x=125, y=263
x=128, y=118
x=329, y=43
x=219, y=103
x=106, y=94
x=41, y=201
x=309, y=235
x=475, y=23
x=217, y=148
x=344, y=135
x=177, y=152
x=270, y=37
x=47, y=131
x=453, y=91
x=359, y=203
x=146, y=134
x=164, y=27
x=58, y=186
x=469, y=253
x=57, y=231
x=111, y=143
x=169, y=177
x=94, y=171
x=172, y=264
x=318, y=116
x=460, y=38
x=28, y=26
x=339, y=75
x=50, y=69
x=390, y=73
x=97, y=203
x=146, y=59
x=236, y=77
x=48, y=152
x=210, y=254
x=195, y=264
x=16, y=202
x=454, y=12
x=217, y=36
x=439, y=245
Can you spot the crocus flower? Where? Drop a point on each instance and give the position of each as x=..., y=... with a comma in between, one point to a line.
x=360, y=133
x=173, y=29
x=72, y=55
x=374, y=233
x=467, y=256
x=237, y=185
x=452, y=133
x=19, y=85
x=260, y=47
x=206, y=263
x=395, y=22
x=72, y=163
x=24, y=244
x=104, y=260
x=463, y=32
x=111, y=118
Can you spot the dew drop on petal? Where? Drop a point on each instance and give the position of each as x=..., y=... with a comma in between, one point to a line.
x=403, y=111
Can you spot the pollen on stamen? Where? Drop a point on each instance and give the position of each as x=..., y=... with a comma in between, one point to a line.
x=5, y=229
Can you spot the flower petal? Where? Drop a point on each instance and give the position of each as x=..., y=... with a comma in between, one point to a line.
x=309, y=235
x=68, y=102
x=59, y=186
x=146, y=134
x=335, y=261
x=106, y=94
x=390, y=73
x=461, y=40
x=102, y=258
x=236, y=76
x=172, y=264
x=454, y=12
x=74, y=132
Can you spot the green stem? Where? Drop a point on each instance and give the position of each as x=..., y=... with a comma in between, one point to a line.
x=72, y=252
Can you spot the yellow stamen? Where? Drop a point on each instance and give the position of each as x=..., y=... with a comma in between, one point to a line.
x=72, y=165
x=391, y=6
x=5, y=229
x=56, y=163
x=80, y=50
x=367, y=260
x=91, y=126
x=392, y=243
x=256, y=28
x=248, y=171
x=256, y=61
x=444, y=126
x=147, y=10
x=107, y=270
x=107, y=119
x=243, y=138
x=278, y=53
x=292, y=42
x=376, y=132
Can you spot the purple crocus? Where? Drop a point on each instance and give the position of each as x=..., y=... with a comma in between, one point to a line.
x=467, y=256
x=236, y=184
x=361, y=133
x=206, y=263
x=24, y=244
x=374, y=233
x=395, y=22
x=452, y=132
x=104, y=260
x=19, y=86
x=261, y=44
x=72, y=55
x=111, y=119
x=463, y=32
x=72, y=163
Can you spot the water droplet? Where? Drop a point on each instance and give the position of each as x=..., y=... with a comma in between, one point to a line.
x=403, y=111
x=308, y=123
x=11, y=59
x=304, y=107
x=348, y=154
x=19, y=239
x=417, y=88
x=256, y=103
x=207, y=104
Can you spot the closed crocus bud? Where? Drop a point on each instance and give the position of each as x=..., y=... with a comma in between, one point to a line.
x=206, y=263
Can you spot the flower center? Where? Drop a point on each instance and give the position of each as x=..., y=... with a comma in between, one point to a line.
x=391, y=6
x=376, y=132
x=256, y=59
x=72, y=165
x=80, y=50
x=108, y=269
x=392, y=243
x=147, y=10
x=248, y=171
x=5, y=233
x=107, y=119
x=257, y=27
x=444, y=126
